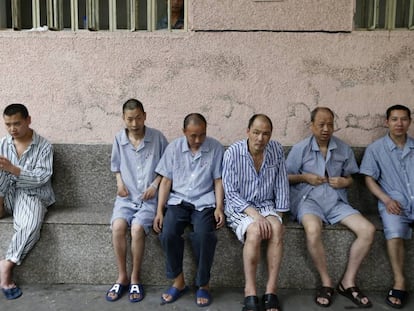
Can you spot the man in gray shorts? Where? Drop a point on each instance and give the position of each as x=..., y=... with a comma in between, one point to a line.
x=388, y=164
x=135, y=153
x=319, y=171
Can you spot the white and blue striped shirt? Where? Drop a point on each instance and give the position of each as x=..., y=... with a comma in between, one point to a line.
x=36, y=167
x=244, y=186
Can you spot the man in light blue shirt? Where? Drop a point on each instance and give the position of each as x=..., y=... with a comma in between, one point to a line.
x=26, y=167
x=190, y=193
x=135, y=154
x=388, y=164
x=257, y=193
x=319, y=170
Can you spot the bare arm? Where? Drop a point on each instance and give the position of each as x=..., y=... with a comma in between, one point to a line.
x=122, y=190
x=163, y=193
x=219, y=211
x=150, y=192
x=392, y=206
x=308, y=178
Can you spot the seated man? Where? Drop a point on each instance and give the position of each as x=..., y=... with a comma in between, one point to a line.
x=135, y=154
x=26, y=166
x=257, y=192
x=191, y=193
x=319, y=170
x=388, y=164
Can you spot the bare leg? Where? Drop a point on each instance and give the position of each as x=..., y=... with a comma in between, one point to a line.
x=364, y=231
x=251, y=257
x=396, y=253
x=274, y=255
x=313, y=229
x=119, y=229
x=137, y=250
x=6, y=274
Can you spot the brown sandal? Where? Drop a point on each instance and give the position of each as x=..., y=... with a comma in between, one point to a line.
x=357, y=299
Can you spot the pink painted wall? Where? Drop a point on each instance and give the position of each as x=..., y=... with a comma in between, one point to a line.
x=75, y=83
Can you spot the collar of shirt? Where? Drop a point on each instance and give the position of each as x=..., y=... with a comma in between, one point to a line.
x=125, y=139
x=408, y=147
x=35, y=139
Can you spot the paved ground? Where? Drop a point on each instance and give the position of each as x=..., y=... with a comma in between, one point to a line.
x=91, y=298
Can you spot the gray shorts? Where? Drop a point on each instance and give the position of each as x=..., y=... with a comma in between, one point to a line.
x=396, y=226
x=324, y=202
x=141, y=213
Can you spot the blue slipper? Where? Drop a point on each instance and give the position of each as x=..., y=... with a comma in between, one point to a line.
x=117, y=289
x=203, y=293
x=136, y=292
x=175, y=293
x=12, y=293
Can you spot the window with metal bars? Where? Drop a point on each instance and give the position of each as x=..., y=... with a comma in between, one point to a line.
x=384, y=14
x=93, y=15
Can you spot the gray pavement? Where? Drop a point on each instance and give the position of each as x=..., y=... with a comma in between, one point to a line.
x=92, y=298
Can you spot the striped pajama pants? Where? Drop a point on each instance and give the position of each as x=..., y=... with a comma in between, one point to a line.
x=28, y=213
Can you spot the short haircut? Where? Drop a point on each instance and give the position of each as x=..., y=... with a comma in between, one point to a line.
x=195, y=118
x=132, y=104
x=315, y=111
x=13, y=109
x=260, y=115
x=398, y=107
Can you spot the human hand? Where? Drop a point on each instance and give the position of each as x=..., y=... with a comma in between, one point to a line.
x=149, y=193
x=157, y=224
x=338, y=182
x=315, y=180
x=220, y=218
x=122, y=191
x=393, y=207
x=265, y=227
x=5, y=164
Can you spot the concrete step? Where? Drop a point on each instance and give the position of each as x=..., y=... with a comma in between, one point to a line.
x=84, y=297
x=75, y=246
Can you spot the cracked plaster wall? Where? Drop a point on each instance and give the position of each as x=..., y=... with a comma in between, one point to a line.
x=75, y=83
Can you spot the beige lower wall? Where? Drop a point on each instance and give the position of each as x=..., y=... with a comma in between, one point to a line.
x=75, y=83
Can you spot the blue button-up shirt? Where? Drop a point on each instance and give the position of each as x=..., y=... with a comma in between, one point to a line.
x=306, y=157
x=393, y=168
x=192, y=175
x=137, y=165
x=244, y=186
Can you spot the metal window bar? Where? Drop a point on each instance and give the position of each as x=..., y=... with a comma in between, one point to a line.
x=390, y=12
x=16, y=15
x=74, y=15
x=92, y=14
x=410, y=16
x=55, y=14
x=112, y=15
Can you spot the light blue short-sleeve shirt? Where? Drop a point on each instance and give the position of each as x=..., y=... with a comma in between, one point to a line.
x=192, y=175
x=393, y=168
x=137, y=165
x=305, y=157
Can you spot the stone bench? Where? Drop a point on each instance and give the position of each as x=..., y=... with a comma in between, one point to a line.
x=75, y=245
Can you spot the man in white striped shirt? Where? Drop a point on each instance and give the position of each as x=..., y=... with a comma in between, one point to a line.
x=256, y=189
x=26, y=166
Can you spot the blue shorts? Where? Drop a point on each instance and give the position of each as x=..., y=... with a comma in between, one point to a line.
x=141, y=213
x=324, y=202
x=396, y=226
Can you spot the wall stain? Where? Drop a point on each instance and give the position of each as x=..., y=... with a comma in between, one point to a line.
x=389, y=69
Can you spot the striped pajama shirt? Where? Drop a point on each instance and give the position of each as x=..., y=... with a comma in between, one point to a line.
x=27, y=196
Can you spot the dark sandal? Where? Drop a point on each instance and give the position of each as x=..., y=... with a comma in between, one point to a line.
x=355, y=299
x=251, y=303
x=270, y=301
x=398, y=294
x=326, y=293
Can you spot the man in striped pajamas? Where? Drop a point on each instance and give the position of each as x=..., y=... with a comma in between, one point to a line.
x=26, y=166
x=256, y=189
